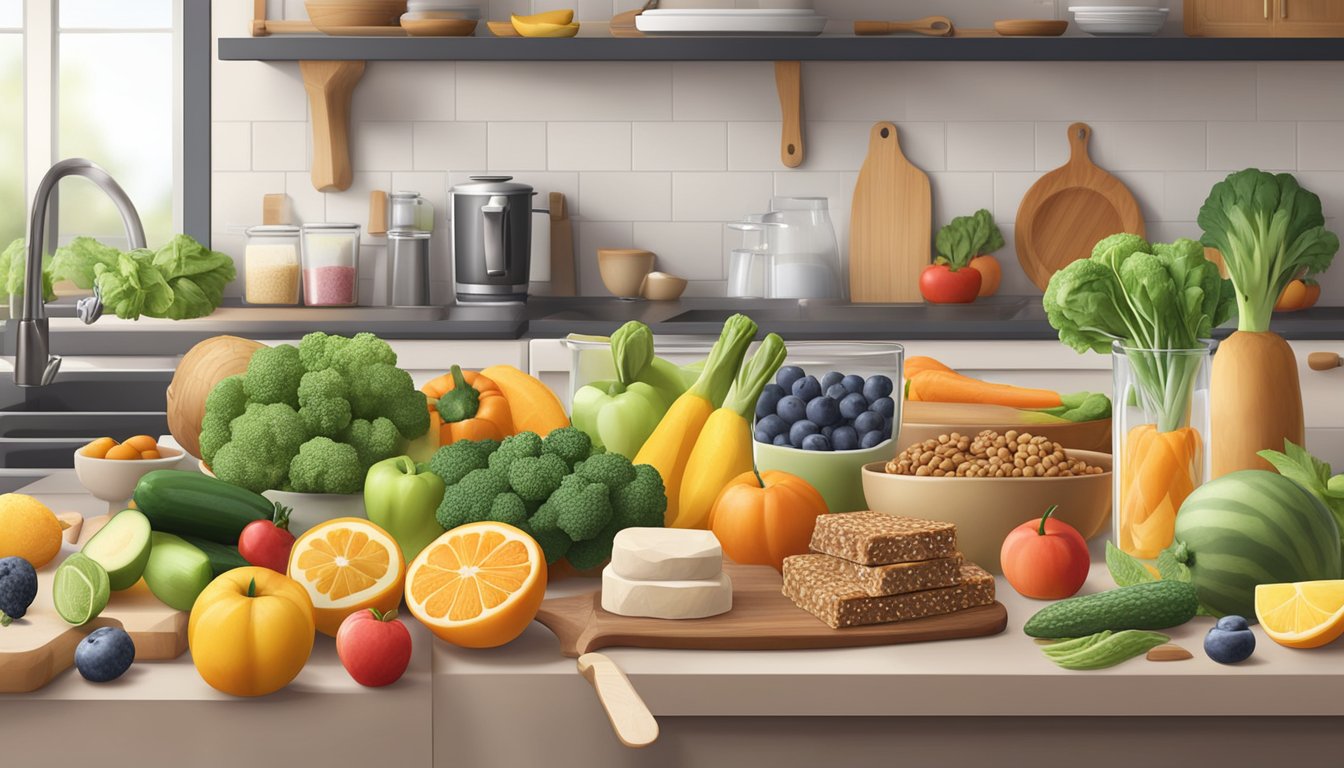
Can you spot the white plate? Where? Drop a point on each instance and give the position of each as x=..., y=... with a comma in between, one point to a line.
x=731, y=23
x=1115, y=9
x=753, y=12
x=1137, y=30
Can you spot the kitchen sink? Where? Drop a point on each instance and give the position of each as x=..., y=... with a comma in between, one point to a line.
x=90, y=390
x=81, y=424
x=761, y=316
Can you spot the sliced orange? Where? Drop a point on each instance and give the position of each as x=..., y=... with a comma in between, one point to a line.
x=347, y=564
x=478, y=585
x=1307, y=614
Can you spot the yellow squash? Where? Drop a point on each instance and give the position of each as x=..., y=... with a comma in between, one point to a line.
x=250, y=631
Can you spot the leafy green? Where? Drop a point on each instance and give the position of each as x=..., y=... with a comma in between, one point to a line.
x=1156, y=301
x=1081, y=406
x=1296, y=464
x=13, y=261
x=1270, y=230
x=1125, y=570
x=180, y=280
x=966, y=237
x=1171, y=569
x=76, y=262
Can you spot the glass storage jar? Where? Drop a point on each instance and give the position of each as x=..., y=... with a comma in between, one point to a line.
x=271, y=265
x=331, y=265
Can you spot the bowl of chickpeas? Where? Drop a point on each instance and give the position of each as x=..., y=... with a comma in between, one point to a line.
x=109, y=469
x=990, y=482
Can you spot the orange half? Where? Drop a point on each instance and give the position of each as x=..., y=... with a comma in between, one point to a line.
x=1307, y=614
x=478, y=585
x=346, y=565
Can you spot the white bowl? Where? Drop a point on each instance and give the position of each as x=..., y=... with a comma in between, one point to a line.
x=113, y=480
x=308, y=509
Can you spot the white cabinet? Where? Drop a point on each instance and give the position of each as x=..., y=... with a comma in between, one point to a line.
x=548, y=360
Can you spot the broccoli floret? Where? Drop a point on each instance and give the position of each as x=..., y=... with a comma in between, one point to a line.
x=323, y=404
x=407, y=412
x=610, y=469
x=471, y=499
x=226, y=402
x=554, y=543
x=373, y=441
x=508, y=508
x=374, y=385
x=585, y=555
x=235, y=463
x=273, y=375
x=581, y=512
x=515, y=447
x=317, y=348
x=361, y=352
x=641, y=503
x=323, y=465
x=461, y=402
x=569, y=443
x=535, y=478
x=453, y=462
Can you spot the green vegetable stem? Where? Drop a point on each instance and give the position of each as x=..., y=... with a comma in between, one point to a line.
x=620, y=414
x=1104, y=649
x=461, y=402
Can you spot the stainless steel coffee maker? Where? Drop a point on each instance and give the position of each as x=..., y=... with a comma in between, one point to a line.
x=492, y=238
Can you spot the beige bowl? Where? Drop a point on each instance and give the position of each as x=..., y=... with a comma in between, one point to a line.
x=985, y=509
x=623, y=270
x=114, y=480
x=329, y=14
x=924, y=421
x=660, y=286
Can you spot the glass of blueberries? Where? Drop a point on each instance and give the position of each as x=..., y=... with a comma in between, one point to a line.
x=837, y=412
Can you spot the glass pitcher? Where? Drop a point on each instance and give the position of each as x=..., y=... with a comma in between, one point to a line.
x=807, y=262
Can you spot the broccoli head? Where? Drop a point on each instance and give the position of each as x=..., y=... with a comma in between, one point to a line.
x=586, y=555
x=323, y=465
x=569, y=443
x=453, y=462
x=317, y=349
x=514, y=447
x=261, y=443
x=373, y=441
x=640, y=503
x=554, y=543
x=582, y=510
x=407, y=412
x=509, y=508
x=362, y=351
x=535, y=478
x=273, y=376
x=610, y=469
x=226, y=402
x=322, y=402
x=471, y=499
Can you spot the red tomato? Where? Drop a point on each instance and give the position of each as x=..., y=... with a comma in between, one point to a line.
x=374, y=648
x=940, y=285
x=267, y=543
x=1046, y=559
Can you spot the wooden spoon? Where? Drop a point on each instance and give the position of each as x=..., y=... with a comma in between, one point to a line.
x=933, y=26
x=623, y=24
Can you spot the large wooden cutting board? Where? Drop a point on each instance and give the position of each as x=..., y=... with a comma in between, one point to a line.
x=41, y=645
x=762, y=619
x=1069, y=209
x=891, y=223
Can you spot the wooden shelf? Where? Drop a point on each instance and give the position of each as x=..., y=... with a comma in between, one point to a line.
x=825, y=48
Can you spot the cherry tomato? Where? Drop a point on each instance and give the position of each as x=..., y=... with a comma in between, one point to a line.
x=941, y=285
x=374, y=648
x=267, y=542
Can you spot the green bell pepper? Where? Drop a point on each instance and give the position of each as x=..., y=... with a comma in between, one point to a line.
x=402, y=500
x=620, y=415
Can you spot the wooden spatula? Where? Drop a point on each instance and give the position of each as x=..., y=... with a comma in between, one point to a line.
x=623, y=24
x=933, y=26
x=629, y=715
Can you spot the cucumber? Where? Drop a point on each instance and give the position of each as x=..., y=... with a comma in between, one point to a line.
x=176, y=572
x=223, y=557
x=1153, y=605
x=192, y=504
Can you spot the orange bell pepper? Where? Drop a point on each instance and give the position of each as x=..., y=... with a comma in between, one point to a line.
x=489, y=419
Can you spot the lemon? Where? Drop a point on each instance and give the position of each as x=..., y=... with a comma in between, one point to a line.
x=1307, y=614
x=28, y=529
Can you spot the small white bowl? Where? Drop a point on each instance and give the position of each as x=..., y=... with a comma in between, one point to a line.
x=113, y=480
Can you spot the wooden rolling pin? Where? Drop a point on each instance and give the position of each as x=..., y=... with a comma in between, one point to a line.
x=1323, y=361
x=933, y=26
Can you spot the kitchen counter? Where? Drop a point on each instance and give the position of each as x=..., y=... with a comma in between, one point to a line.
x=525, y=703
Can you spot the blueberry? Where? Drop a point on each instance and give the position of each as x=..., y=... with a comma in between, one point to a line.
x=823, y=410
x=886, y=430
x=787, y=375
x=105, y=654
x=807, y=387
x=867, y=422
x=769, y=399
x=852, y=383
x=828, y=430
x=871, y=439
x=816, y=443
x=799, y=432
x=791, y=409
x=877, y=387
x=1229, y=646
x=845, y=439
x=18, y=588
x=781, y=440
x=836, y=392
x=1232, y=623
x=772, y=425
x=831, y=378
x=885, y=406
x=761, y=437
x=853, y=405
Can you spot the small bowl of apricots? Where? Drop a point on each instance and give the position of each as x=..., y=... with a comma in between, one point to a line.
x=109, y=469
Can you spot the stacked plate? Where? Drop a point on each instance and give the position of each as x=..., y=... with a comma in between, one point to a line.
x=441, y=9
x=1118, y=19
x=730, y=21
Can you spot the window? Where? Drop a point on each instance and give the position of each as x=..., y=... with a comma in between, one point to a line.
x=12, y=205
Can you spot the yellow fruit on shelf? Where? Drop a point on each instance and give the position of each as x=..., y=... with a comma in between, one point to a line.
x=346, y=565
x=544, y=29
x=478, y=585
x=1307, y=614
x=549, y=17
x=28, y=529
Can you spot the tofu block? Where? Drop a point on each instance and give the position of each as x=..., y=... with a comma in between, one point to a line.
x=686, y=599
x=666, y=554
x=820, y=585
x=874, y=538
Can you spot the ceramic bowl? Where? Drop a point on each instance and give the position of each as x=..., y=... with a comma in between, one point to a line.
x=623, y=270
x=329, y=14
x=438, y=27
x=660, y=286
x=309, y=509
x=985, y=509
x=113, y=480
x=836, y=474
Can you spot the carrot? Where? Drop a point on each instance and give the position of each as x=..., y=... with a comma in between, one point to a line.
x=952, y=387
x=1158, y=472
x=919, y=363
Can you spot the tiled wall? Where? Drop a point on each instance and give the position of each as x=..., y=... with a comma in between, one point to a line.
x=660, y=155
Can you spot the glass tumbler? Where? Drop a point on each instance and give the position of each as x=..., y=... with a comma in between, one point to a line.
x=271, y=265
x=331, y=265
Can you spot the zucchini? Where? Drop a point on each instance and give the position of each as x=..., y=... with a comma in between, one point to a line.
x=1152, y=605
x=192, y=504
x=223, y=557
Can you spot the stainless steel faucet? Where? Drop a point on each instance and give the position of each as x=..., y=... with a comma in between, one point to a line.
x=34, y=365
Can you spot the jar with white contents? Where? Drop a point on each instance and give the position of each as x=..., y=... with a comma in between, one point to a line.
x=331, y=265
x=271, y=265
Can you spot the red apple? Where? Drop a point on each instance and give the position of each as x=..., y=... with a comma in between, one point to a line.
x=1046, y=559
x=374, y=647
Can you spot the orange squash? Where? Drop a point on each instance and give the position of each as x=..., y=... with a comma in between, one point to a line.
x=1298, y=294
x=493, y=419
x=535, y=407
x=760, y=518
x=991, y=273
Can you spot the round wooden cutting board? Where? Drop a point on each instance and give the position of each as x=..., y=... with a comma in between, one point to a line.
x=1069, y=209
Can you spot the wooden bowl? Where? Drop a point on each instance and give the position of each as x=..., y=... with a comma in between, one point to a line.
x=923, y=421
x=329, y=14
x=1030, y=27
x=660, y=286
x=439, y=27
x=985, y=509
x=623, y=270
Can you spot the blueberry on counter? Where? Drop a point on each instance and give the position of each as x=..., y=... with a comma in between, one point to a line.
x=823, y=410
x=871, y=439
x=845, y=439
x=791, y=408
x=884, y=406
x=782, y=440
x=836, y=392
x=1230, y=641
x=876, y=387
x=18, y=588
x=816, y=443
x=800, y=431
x=807, y=388
x=785, y=376
x=852, y=383
x=105, y=654
x=771, y=394
x=867, y=422
x=853, y=405
x=830, y=379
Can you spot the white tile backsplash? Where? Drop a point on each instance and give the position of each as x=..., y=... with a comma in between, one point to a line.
x=661, y=154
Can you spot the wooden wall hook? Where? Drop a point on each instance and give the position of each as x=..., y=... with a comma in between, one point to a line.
x=331, y=86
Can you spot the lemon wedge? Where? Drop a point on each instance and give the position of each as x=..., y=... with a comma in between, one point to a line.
x=1307, y=614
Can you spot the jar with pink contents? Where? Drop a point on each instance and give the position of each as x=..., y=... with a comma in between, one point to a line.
x=330, y=265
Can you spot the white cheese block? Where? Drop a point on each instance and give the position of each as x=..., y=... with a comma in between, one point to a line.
x=686, y=599
x=657, y=554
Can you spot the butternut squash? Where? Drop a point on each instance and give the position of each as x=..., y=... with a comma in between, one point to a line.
x=1255, y=400
x=532, y=405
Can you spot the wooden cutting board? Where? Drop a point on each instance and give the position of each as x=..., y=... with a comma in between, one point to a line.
x=891, y=222
x=762, y=619
x=1069, y=209
x=562, y=247
x=41, y=645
